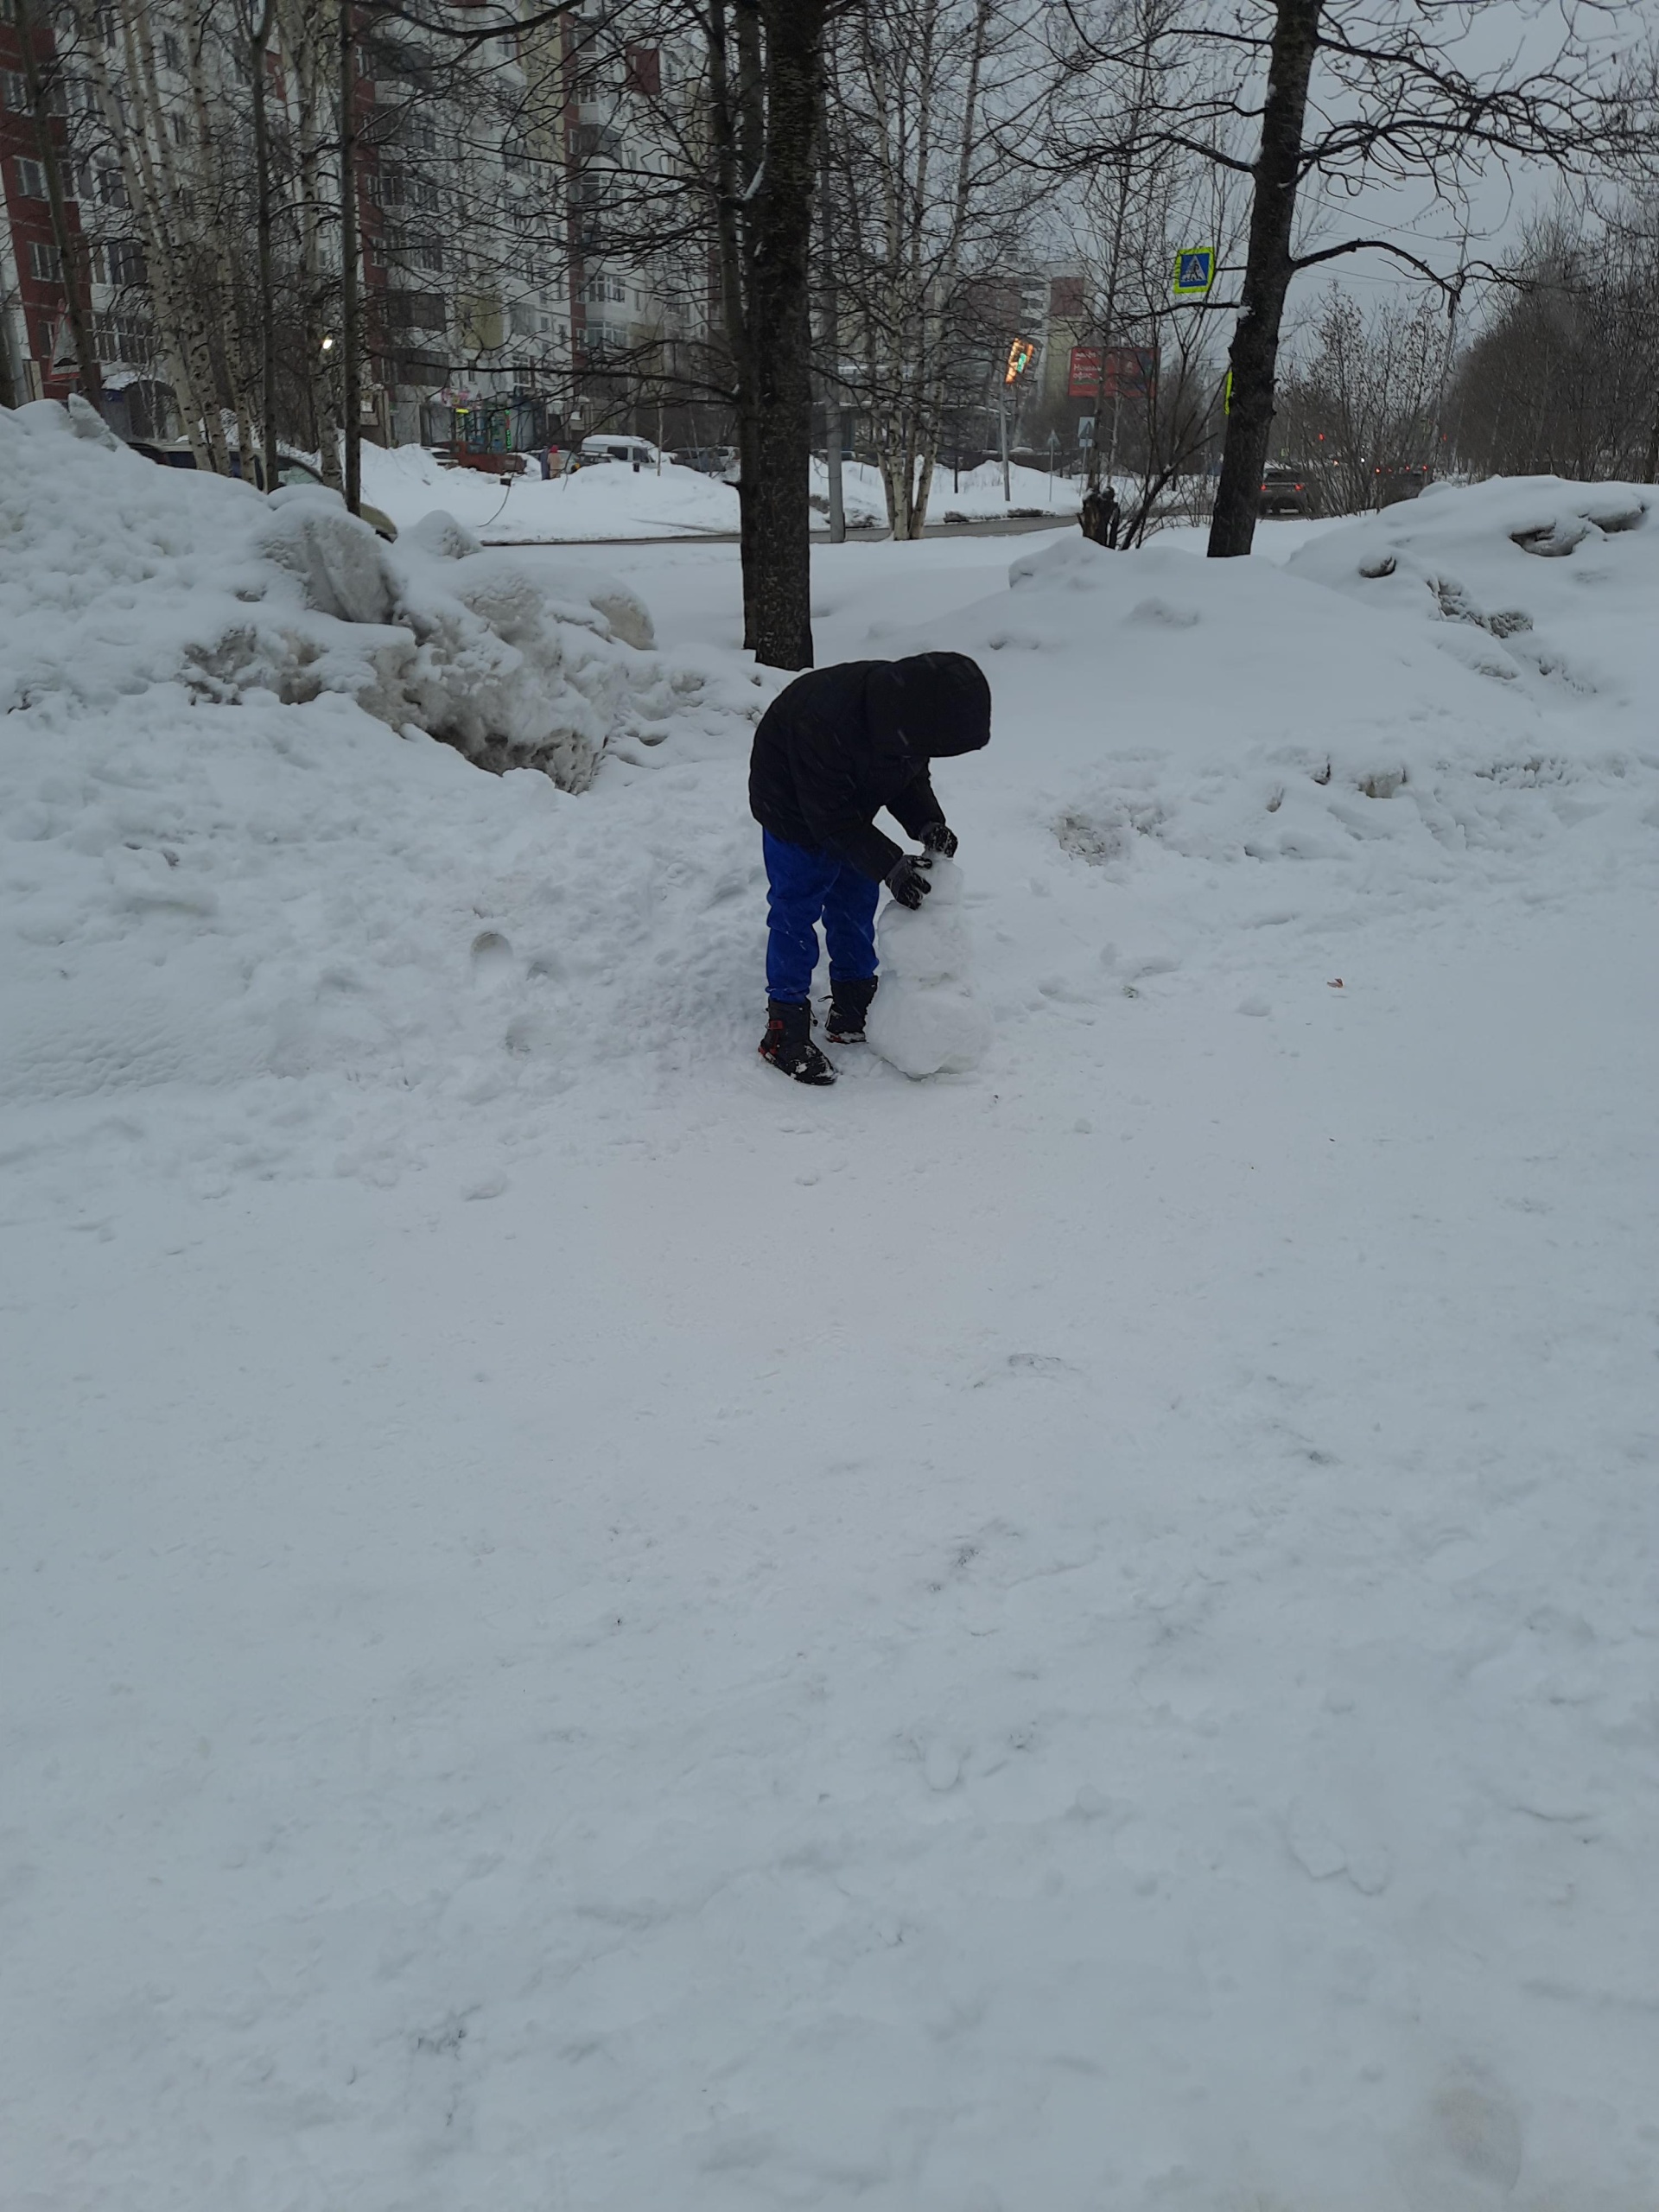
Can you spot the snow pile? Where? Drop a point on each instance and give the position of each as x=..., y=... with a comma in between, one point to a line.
x=1532, y=581
x=608, y=501
x=116, y=575
x=234, y=851
x=1235, y=713
x=925, y=1019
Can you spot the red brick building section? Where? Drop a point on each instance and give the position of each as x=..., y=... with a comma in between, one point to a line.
x=41, y=304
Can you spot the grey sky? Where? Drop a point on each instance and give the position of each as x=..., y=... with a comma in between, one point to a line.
x=1527, y=32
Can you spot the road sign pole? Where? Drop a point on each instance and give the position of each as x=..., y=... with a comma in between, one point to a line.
x=1002, y=434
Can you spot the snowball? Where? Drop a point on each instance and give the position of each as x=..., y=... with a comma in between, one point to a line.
x=441, y=536
x=924, y=1020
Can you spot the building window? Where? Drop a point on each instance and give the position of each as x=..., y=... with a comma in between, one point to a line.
x=172, y=51
x=414, y=311
x=642, y=70
x=31, y=180
x=123, y=258
x=117, y=338
x=113, y=188
x=14, y=91
x=45, y=265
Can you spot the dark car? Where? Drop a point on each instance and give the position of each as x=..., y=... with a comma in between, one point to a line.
x=1394, y=485
x=1284, y=492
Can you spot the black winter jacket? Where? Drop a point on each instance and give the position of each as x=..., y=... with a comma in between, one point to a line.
x=842, y=743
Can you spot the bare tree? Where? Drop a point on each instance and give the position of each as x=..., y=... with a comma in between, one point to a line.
x=1360, y=411
x=926, y=201
x=1563, y=379
x=1334, y=94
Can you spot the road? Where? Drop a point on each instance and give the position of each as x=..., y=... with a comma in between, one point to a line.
x=999, y=527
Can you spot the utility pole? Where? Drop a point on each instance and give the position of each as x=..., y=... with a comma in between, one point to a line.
x=351, y=366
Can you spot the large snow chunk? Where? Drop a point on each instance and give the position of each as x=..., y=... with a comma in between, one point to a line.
x=1527, y=579
x=924, y=1020
x=336, y=557
x=116, y=575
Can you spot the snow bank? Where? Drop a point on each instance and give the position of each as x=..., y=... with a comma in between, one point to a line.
x=1239, y=714
x=115, y=575
x=1531, y=581
x=606, y=502
x=233, y=849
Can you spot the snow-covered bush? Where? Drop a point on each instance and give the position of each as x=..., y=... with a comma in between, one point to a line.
x=116, y=575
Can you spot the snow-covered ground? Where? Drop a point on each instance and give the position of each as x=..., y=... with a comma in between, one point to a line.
x=968, y=495
x=613, y=502
x=581, y=1627
x=606, y=502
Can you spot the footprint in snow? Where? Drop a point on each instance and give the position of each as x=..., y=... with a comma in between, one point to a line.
x=492, y=962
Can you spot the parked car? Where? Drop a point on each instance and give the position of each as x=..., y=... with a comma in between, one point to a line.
x=486, y=464
x=720, y=462
x=1394, y=485
x=638, y=452
x=176, y=453
x=1284, y=492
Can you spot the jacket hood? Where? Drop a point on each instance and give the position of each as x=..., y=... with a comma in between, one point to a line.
x=937, y=704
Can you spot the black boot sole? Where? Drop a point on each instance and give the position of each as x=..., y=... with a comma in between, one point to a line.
x=819, y=1079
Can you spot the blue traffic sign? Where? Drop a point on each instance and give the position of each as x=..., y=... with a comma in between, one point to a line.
x=1195, y=271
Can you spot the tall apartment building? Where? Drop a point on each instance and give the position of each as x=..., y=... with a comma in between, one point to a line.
x=510, y=291
x=37, y=360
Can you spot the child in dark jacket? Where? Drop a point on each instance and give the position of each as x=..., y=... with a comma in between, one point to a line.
x=831, y=751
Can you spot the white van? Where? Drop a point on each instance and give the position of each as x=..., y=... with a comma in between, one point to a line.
x=616, y=446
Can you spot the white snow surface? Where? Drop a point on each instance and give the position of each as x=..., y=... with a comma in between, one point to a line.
x=616, y=502
x=970, y=495
x=608, y=501
x=584, y=1627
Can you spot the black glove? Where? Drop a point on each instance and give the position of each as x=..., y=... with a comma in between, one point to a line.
x=908, y=881
x=936, y=838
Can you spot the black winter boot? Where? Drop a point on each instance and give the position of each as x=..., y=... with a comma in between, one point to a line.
x=848, y=1004
x=788, y=1044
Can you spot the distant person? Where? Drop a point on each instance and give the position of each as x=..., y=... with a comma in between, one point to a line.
x=1099, y=515
x=831, y=751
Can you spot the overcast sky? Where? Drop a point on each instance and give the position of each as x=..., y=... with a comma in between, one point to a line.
x=1525, y=33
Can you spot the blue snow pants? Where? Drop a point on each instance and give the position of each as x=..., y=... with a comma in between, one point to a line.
x=804, y=886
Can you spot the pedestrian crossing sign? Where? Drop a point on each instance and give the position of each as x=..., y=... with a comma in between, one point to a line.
x=1195, y=272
